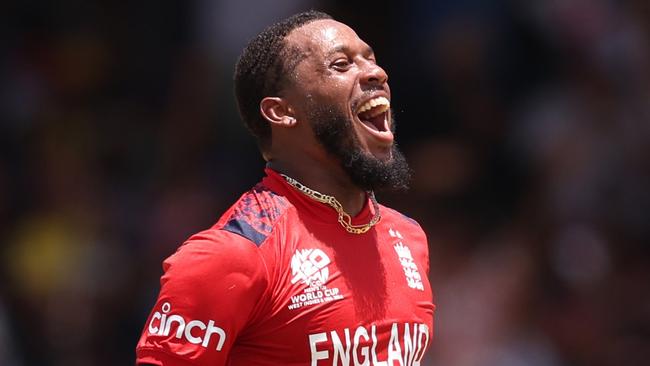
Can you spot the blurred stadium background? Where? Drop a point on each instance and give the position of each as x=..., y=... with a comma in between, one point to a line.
x=527, y=124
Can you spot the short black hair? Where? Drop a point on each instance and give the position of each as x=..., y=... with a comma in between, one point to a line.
x=262, y=68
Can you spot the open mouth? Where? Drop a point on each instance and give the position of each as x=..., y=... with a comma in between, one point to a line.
x=374, y=114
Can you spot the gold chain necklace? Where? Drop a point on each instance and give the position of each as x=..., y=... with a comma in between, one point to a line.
x=344, y=218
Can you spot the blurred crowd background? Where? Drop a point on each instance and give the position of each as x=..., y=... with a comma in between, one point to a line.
x=527, y=124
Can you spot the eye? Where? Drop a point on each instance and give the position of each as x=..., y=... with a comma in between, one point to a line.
x=340, y=64
x=370, y=56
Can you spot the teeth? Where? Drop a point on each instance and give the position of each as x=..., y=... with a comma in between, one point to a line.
x=379, y=110
x=379, y=101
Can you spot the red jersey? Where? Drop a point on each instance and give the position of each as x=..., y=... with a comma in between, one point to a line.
x=278, y=281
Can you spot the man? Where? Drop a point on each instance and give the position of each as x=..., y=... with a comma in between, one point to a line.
x=306, y=268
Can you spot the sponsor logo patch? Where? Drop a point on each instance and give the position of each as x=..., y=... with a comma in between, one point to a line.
x=163, y=323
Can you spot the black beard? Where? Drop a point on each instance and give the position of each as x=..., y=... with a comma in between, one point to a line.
x=336, y=134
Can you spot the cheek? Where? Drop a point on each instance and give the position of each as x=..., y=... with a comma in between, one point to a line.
x=337, y=86
x=359, y=133
x=345, y=84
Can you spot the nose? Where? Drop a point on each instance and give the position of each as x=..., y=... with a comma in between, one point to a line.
x=373, y=74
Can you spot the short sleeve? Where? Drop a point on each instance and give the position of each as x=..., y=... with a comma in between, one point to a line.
x=210, y=289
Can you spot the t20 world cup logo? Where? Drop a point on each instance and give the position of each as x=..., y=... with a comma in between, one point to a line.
x=310, y=267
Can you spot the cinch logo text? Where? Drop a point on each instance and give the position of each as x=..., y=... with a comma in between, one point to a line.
x=161, y=324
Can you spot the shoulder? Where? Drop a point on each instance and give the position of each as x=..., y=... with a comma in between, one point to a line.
x=214, y=254
x=254, y=215
x=399, y=218
x=403, y=225
x=216, y=282
x=232, y=244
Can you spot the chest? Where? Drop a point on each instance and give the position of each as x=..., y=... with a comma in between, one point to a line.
x=335, y=290
x=351, y=280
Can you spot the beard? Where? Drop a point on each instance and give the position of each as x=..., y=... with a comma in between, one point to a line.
x=335, y=132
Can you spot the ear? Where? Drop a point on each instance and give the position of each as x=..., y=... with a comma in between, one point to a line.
x=277, y=111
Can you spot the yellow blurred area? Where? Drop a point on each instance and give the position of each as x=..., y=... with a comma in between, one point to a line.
x=44, y=255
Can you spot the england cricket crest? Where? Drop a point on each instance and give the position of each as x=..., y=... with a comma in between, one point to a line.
x=411, y=273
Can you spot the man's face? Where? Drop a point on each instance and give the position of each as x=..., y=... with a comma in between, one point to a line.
x=339, y=89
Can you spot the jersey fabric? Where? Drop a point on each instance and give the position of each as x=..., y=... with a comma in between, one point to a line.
x=278, y=281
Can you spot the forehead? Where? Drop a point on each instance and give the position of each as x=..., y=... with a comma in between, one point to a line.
x=324, y=35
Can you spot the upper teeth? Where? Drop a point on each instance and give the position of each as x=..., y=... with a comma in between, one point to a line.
x=379, y=101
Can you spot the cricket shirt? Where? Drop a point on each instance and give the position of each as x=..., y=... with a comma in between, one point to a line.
x=278, y=281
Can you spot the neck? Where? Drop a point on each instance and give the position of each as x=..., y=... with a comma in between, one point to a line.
x=332, y=181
